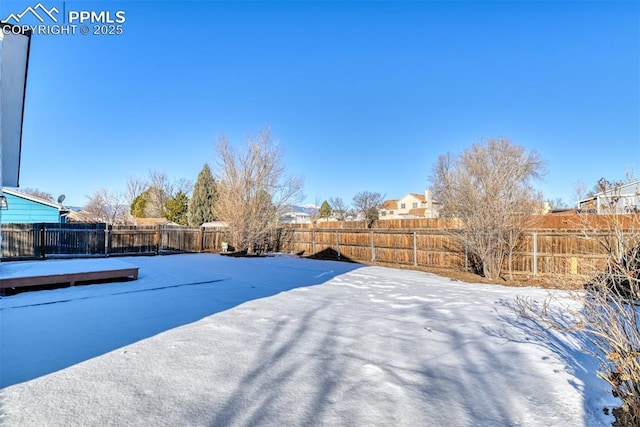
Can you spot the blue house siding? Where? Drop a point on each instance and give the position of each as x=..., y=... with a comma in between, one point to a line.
x=23, y=210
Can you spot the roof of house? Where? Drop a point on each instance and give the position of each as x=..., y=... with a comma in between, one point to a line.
x=629, y=184
x=296, y=214
x=389, y=204
x=151, y=221
x=34, y=198
x=79, y=216
x=601, y=193
x=417, y=196
x=563, y=211
x=215, y=224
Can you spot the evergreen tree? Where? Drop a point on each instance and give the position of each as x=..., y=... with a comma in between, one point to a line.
x=139, y=206
x=325, y=210
x=175, y=209
x=203, y=200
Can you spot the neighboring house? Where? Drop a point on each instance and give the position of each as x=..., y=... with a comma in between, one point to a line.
x=411, y=206
x=548, y=210
x=23, y=208
x=295, y=218
x=215, y=224
x=388, y=209
x=78, y=215
x=622, y=199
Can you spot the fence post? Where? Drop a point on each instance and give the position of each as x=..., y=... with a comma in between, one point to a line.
x=395, y=248
x=293, y=240
x=34, y=234
x=201, y=244
x=535, y=254
x=313, y=241
x=466, y=253
x=415, y=250
x=157, y=238
x=43, y=244
x=373, y=249
x=107, y=239
x=338, y=244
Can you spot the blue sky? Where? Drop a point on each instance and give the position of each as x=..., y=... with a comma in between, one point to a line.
x=361, y=95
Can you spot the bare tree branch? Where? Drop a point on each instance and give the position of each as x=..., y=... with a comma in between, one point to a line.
x=157, y=189
x=253, y=189
x=38, y=193
x=488, y=187
x=367, y=204
x=339, y=208
x=107, y=206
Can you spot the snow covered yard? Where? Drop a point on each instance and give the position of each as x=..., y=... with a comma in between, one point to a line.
x=206, y=340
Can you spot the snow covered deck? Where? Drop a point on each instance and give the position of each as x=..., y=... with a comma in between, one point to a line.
x=58, y=272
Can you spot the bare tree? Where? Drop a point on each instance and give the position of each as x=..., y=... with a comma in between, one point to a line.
x=253, y=189
x=488, y=187
x=630, y=175
x=579, y=191
x=601, y=301
x=557, y=203
x=182, y=185
x=339, y=208
x=156, y=190
x=135, y=187
x=159, y=192
x=38, y=193
x=107, y=206
x=367, y=204
x=314, y=211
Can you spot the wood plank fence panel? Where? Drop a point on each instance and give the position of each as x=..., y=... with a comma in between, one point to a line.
x=213, y=238
x=285, y=240
x=133, y=240
x=74, y=240
x=355, y=253
x=20, y=241
x=179, y=239
x=53, y=240
x=537, y=252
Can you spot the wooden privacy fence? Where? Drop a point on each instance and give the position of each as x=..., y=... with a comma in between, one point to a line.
x=53, y=240
x=539, y=251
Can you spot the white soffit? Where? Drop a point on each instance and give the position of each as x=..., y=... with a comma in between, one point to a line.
x=14, y=58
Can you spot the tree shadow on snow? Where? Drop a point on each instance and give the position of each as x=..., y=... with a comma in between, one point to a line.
x=47, y=331
x=570, y=348
x=310, y=369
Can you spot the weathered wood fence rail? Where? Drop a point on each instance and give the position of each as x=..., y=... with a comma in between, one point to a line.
x=539, y=252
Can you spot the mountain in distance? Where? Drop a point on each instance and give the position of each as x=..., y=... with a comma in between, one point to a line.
x=308, y=209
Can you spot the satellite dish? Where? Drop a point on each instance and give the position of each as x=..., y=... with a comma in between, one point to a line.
x=61, y=198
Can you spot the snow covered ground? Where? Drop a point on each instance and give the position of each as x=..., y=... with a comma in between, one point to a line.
x=206, y=340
